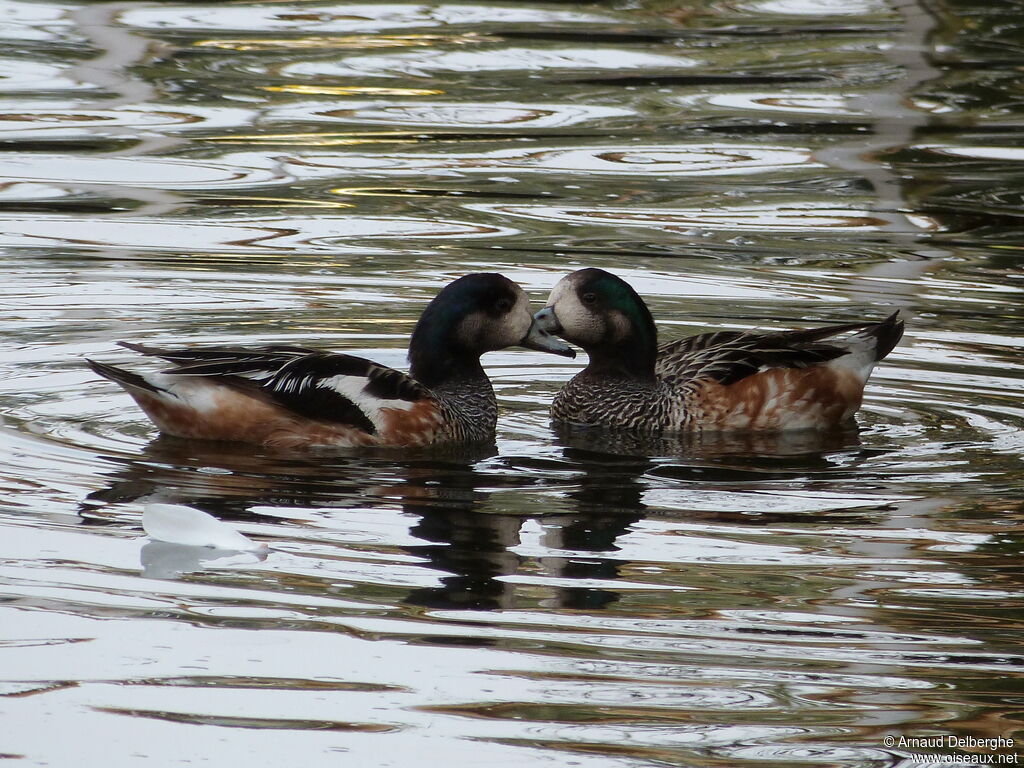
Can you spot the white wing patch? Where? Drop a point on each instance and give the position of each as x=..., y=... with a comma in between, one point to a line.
x=354, y=388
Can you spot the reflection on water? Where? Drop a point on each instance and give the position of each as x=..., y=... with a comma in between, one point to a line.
x=304, y=172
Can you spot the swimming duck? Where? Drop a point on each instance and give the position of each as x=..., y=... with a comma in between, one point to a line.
x=298, y=397
x=723, y=381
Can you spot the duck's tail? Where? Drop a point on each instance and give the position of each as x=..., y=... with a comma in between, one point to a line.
x=132, y=382
x=869, y=345
x=886, y=335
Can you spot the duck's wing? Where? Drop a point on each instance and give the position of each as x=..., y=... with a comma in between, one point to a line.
x=729, y=356
x=227, y=357
x=322, y=386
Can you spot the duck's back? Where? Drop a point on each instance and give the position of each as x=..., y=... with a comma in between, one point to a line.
x=733, y=381
x=805, y=379
x=285, y=397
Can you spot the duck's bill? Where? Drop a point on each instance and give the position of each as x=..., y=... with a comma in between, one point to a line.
x=539, y=339
x=547, y=321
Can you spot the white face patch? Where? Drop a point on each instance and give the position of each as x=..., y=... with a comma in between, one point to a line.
x=580, y=325
x=481, y=331
x=520, y=318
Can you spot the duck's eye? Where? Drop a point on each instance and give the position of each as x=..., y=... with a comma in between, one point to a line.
x=503, y=305
x=589, y=298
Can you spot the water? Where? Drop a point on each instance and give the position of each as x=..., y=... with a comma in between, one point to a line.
x=312, y=173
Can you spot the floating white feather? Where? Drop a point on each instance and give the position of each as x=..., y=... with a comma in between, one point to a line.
x=178, y=524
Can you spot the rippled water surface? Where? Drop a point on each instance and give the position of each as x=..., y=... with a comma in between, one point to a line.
x=312, y=173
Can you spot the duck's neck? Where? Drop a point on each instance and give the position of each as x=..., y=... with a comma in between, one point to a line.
x=442, y=368
x=629, y=357
x=463, y=389
x=437, y=355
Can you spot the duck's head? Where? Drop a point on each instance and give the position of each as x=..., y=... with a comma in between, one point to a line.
x=475, y=314
x=602, y=313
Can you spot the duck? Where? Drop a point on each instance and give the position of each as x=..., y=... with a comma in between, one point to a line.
x=294, y=397
x=726, y=381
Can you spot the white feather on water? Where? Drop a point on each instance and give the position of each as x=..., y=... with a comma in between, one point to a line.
x=178, y=524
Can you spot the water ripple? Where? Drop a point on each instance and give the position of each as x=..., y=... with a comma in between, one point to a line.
x=670, y=160
x=327, y=234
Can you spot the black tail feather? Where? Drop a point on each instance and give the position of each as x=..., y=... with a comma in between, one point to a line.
x=144, y=349
x=810, y=335
x=887, y=334
x=125, y=378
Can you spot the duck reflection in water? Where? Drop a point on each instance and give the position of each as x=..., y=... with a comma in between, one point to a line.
x=620, y=467
x=474, y=539
x=473, y=506
x=471, y=515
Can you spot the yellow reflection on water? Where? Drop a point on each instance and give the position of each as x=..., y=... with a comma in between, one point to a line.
x=373, y=192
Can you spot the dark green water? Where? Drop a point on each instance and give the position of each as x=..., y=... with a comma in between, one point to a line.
x=312, y=173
